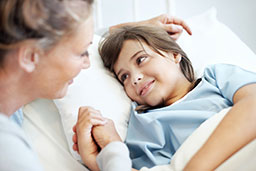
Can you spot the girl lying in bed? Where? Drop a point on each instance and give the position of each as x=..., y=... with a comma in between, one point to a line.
x=170, y=103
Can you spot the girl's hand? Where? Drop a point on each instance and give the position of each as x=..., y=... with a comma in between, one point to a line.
x=83, y=140
x=105, y=134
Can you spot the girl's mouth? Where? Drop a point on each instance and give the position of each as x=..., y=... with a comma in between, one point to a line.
x=146, y=88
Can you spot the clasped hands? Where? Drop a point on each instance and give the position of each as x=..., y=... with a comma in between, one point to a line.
x=92, y=132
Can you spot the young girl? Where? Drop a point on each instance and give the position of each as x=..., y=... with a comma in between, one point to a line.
x=169, y=103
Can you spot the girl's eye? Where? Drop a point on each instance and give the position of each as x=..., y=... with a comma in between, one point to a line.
x=140, y=59
x=123, y=77
x=86, y=53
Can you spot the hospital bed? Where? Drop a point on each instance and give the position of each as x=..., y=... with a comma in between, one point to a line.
x=48, y=123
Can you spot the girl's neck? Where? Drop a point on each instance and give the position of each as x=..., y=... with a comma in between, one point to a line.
x=182, y=90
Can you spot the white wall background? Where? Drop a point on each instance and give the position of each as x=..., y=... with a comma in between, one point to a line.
x=239, y=15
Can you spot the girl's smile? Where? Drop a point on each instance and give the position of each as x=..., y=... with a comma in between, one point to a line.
x=146, y=88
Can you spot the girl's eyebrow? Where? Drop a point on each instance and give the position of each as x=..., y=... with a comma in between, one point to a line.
x=119, y=72
x=133, y=56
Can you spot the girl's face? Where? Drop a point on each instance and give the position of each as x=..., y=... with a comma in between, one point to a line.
x=60, y=65
x=148, y=77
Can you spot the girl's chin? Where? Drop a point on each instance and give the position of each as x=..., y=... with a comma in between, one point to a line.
x=155, y=103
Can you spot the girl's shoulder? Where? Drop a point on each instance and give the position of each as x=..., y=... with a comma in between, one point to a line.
x=223, y=70
x=220, y=66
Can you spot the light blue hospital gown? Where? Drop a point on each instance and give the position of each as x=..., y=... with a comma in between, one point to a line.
x=18, y=117
x=153, y=137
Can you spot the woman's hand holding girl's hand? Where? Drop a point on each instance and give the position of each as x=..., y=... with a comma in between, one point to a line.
x=105, y=134
x=83, y=138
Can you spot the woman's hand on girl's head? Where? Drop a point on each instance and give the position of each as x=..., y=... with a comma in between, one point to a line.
x=170, y=24
x=105, y=134
x=83, y=140
x=173, y=25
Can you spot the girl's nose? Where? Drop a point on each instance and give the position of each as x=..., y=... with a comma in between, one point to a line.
x=137, y=79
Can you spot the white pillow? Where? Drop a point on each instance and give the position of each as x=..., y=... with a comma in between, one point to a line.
x=211, y=42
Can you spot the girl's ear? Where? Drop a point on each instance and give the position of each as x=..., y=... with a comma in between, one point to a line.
x=28, y=58
x=177, y=57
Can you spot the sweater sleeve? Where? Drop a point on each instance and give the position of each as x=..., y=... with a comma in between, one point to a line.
x=114, y=157
x=16, y=152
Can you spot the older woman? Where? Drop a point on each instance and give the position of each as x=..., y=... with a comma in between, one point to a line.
x=41, y=51
x=43, y=46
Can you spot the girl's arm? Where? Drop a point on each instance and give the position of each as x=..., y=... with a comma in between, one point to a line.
x=236, y=130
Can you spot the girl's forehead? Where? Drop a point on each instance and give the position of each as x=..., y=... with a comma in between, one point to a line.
x=133, y=46
x=129, y=49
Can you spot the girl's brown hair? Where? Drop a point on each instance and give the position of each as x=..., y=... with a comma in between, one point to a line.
x=43, y=20
x=155, y=38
